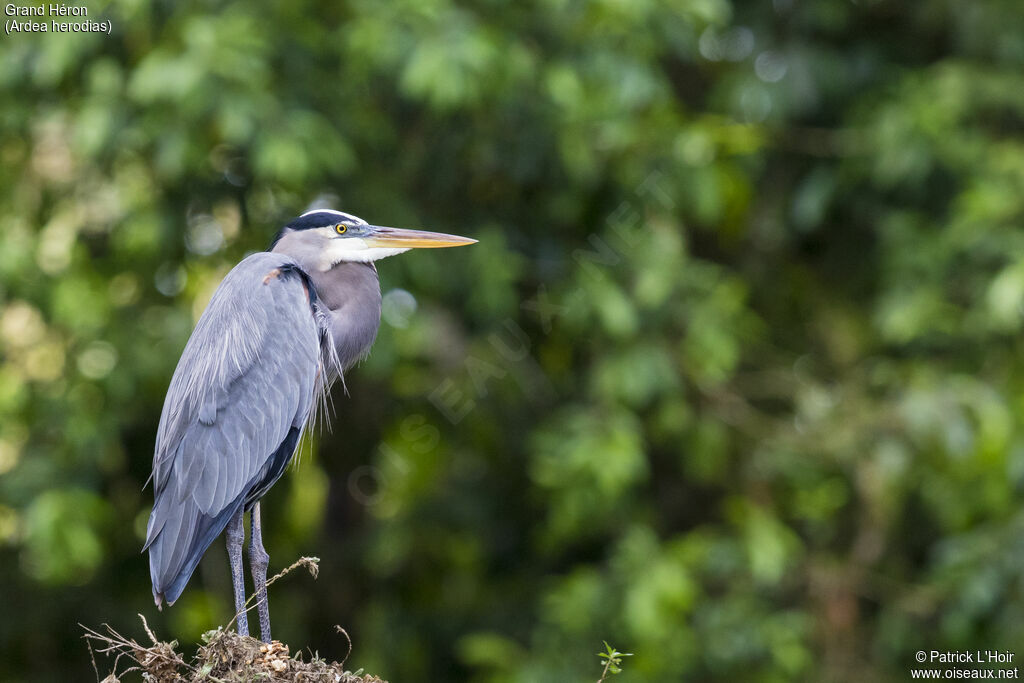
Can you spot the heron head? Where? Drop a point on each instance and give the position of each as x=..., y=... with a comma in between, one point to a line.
x=336, y=237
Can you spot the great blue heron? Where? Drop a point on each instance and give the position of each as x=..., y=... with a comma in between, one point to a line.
x=280, y=328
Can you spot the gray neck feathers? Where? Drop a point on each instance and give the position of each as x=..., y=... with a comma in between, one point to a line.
x=350, y=291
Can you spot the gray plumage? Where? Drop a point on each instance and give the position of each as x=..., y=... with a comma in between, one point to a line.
x=350, y=293
x=246, y=378
x=280, y=328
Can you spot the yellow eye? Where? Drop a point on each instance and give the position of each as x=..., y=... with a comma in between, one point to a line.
x=341, y=228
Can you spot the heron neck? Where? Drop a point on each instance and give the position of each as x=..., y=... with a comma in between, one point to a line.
x=351, y=292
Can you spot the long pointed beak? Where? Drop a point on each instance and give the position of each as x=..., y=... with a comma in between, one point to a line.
x=407, y=239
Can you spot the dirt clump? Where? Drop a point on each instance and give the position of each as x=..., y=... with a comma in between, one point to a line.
x=224, y=657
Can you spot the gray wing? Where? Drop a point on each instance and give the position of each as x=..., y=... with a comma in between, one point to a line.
x=239, y=398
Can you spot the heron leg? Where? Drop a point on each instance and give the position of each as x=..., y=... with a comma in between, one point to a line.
x=258, y=560
x=234, y=535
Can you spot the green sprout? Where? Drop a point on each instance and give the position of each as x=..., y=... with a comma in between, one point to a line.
x=612, y=661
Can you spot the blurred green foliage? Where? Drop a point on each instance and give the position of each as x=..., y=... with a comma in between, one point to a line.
x=732, y=380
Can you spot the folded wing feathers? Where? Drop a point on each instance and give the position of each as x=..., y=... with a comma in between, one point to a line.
x=251, y=368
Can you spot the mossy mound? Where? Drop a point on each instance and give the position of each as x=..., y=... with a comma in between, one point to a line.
x=225, y=657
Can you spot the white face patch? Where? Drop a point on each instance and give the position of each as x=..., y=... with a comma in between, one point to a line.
x=353, y=249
